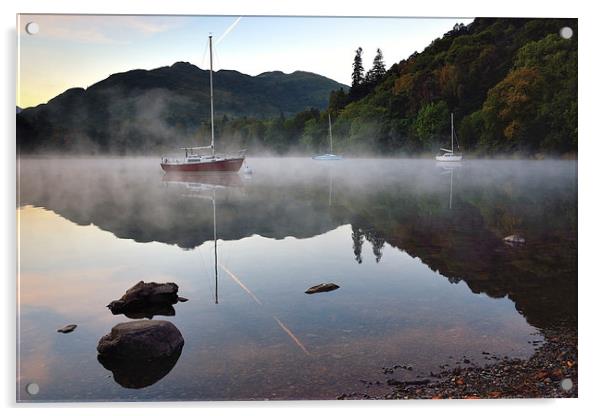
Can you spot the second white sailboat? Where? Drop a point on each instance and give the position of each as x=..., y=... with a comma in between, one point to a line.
x=331, y=155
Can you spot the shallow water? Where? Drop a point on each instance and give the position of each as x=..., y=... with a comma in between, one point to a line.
x=416, y=248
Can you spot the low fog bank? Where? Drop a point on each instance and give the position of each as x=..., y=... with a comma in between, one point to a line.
x=411, y=173
x=89, y=152
x=159, y=122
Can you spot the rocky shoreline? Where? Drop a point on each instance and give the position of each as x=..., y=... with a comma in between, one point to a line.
x=551, y=372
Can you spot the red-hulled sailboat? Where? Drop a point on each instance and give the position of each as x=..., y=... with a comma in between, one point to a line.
x=195, y=162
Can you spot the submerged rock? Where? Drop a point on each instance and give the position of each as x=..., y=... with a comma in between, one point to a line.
x=67, y=328
x=140, y=353
x=144, y=297
x=141, y=340
x=322, y=287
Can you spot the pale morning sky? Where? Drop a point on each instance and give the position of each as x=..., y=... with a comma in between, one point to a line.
x=80, y=50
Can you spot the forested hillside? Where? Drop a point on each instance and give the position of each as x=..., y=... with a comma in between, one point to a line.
x=511, y=84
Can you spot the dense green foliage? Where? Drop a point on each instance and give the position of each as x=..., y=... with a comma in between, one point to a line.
x=511, y=84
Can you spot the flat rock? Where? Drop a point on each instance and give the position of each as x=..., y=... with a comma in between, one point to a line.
x=143, y=296
x=322, y=287
x=141, y=340
x=67, y=328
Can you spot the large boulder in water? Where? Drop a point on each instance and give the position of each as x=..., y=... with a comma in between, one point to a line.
x=141, y=340
x=145, y=297
x=131, y=369
x=140, y=353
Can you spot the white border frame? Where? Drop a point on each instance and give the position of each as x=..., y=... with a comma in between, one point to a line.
x=589, y=190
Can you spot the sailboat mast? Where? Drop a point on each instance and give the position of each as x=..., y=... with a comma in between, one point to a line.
x=452, y=132
x=330, y=133
x=211, y=93
x=215, y=245
x=451, y=188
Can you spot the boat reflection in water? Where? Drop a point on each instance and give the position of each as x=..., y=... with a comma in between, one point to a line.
x=208, y=186
x=205, y=186
x=448, y=168
x=199, y=182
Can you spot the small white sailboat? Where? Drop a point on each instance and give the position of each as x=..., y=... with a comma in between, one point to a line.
x=331, y=155
x=449, y=155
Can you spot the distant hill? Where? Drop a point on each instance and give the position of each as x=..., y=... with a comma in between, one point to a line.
x=162, y=108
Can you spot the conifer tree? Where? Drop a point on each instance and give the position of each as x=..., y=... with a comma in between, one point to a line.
x=357, y=76
x=378, y=71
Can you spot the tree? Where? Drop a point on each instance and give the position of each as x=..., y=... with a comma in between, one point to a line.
x=357, y=76
x=431, y=123
x=378, y=71
x=511, y=111
x=274, y=137
x=337, y=101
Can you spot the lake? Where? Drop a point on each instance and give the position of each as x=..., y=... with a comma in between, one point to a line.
x=416, y=247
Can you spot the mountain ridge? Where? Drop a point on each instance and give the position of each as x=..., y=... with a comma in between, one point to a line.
x=179, y=65
x=163, y=107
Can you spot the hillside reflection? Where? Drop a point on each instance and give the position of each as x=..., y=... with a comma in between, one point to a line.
x=454, y=221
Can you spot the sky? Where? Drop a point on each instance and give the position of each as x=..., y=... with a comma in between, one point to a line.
x=79, y=50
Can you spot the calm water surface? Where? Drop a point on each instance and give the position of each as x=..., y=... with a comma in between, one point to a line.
x=415, y=247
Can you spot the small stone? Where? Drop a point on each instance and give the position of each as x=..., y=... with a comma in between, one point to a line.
x=566, y=384
x=322, y=287
x=66, y=329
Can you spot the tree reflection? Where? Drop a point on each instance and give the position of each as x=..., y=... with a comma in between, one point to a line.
x=358, y=240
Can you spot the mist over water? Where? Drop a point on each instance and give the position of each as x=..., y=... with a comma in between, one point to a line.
x=416, y=247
